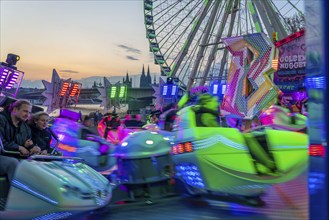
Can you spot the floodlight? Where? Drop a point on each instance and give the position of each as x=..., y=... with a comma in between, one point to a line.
x=12, y=59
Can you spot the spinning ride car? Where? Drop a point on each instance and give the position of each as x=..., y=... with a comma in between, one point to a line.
x=224, y=160
x=144, y=167
x=49, y=187
x=278, y=117
x=95, y=150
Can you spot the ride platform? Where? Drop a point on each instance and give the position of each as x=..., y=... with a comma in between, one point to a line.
x=283, y=201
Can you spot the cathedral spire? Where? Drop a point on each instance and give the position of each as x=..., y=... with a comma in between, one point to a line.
x=142, y=79
x=143, y=71
x=127, y=77
x=148, y=78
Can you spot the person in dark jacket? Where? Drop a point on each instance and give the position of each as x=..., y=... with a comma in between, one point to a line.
x=15, y=135
x=41, y=136
x=15, y=131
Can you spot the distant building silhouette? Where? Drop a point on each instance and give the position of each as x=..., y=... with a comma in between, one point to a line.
x=142, y=79
x=145, y=80
x=148, y=77
x=154, y=81
x=127, y=82
x=96, y=85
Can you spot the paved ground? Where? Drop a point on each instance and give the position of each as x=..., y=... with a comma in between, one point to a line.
x=283, y=201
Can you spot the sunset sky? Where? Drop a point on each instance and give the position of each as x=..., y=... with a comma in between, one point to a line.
x=78, y=38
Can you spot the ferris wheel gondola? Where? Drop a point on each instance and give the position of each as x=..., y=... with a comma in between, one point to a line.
x=185, y=36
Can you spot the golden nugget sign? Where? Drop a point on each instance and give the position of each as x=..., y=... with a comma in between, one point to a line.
x=292, y=63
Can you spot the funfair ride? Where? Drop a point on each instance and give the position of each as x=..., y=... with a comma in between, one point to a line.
x=193, y=42
x=186, y=36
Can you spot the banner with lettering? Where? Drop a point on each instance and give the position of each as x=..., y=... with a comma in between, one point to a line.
x=290, y=76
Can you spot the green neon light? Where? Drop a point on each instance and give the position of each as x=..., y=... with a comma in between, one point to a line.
x=122, y=91
x=113, y=91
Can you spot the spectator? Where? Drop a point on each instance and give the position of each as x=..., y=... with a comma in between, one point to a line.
x=41, y=136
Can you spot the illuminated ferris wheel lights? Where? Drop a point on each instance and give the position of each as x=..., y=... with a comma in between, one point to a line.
x=154, y=47
x=159, y=59
x=150, y=34
x=148, y=5
x=149, y=19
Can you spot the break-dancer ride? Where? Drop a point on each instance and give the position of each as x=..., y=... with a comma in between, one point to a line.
x=225, y=161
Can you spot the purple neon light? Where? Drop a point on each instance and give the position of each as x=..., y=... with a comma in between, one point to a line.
x=11, y=80
x=103, y=149
x=299, y=96
x=3, y=74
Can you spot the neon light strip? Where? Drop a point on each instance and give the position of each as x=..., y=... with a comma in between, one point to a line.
x=201, y=144
x=24, y=187
x=290, y=147
x=53, y=216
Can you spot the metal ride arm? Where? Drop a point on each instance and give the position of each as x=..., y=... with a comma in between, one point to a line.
x=53, y=152
x=265, y=10
x=190, y=38
x=215, y=46
x=223, y=62
x=2, y=149
x=203, y=45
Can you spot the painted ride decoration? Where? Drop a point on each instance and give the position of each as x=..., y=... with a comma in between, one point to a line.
x=250, y=88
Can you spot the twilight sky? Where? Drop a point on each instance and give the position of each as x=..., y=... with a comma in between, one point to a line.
x=77, y=38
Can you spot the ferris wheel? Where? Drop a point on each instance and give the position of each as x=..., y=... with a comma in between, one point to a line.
x=185, y=36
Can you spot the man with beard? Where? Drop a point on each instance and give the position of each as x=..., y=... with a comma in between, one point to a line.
x=16, y=135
